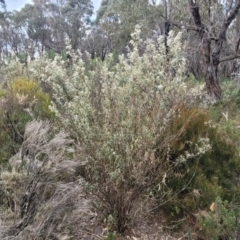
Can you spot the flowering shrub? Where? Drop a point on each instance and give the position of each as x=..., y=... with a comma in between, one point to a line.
x=119, y=115
x=153, y=81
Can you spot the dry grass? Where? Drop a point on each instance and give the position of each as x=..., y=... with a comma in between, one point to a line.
x=42, y=195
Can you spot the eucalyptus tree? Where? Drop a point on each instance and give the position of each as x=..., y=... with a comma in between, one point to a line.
x=13, y=39
x=212, y=33
x=119, y=18
x=76, y=20
x=98, y=43
x=33, y=18
x=49, y=22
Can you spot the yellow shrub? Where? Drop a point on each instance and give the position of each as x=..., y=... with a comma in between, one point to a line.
x=26, y=93
x=21, y=101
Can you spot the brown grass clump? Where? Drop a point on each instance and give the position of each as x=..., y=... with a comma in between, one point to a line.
x=41, y=195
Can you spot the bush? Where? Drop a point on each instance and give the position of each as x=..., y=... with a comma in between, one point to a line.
x=220, y=222
x=27, y=94
x=21, y=102
x=119, y=114
x=199, y=179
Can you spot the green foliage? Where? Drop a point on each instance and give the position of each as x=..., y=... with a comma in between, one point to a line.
x=199, y=179
x=230, y=88
x=21, y=101
x=51, y=54
x=110, y=236
x=4, y=141
x=22, y=57
x=25, y=93
x=227, y=114
x=220, y=222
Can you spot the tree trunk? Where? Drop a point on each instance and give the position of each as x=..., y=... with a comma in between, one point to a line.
x=166, y=24
x=210, y=69
x=212, y=83
x=211, y=57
